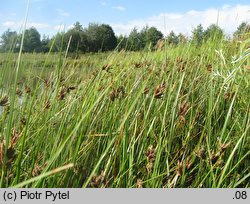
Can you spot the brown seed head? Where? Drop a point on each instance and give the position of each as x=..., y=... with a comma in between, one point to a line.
x=106, y=67
x=4, y=101
x=189, y=163
x=47, y=104
x=150, y=167
x=150, y=153
x=209, y=68
x=223, y=147
x=97, y=181
x=146, y=91
x=27, y=89
x=19, y=92
x=23, y=121
x=201, y=153
x=15, y=135
x=159, y=91
x=62, y=93
x=71, y=88
x=113, y=95
x=180, y=167
x=139, y=183
x=47, y=83
x=214, y=157
x=247, y=68
x=36, y=171
x=183, y=109
x=138, y=65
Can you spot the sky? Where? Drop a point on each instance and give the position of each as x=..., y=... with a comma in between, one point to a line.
x=51, y=16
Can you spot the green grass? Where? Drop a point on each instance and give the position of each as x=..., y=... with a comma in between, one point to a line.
x=173, y=118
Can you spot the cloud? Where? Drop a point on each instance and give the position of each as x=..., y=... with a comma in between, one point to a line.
x=9, y=24
x=61, y=12
x=228, y=17
x=119, y=8
x=36, y=1
x=103, y=3
x=59, y=28
x=19, y=24
x=38, y=25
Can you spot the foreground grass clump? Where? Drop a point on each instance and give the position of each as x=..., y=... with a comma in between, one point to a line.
x=173, y=118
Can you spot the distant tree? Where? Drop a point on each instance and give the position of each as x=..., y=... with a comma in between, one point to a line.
x=214, y=32
x=198, y=34
x=9, y=41
x=57, y=42
x=45, y=44
x=172, y=38
x=78, y=26
x=242, y=32
x=136, y=40
x=182, y=39
x=153, y=36
x=122, y=42
x=100, y=37
x=78, y=38
x=32, y=41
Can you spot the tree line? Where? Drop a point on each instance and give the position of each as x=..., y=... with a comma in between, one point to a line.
x=101, y=38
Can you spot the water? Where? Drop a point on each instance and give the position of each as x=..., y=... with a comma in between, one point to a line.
x=20, y=103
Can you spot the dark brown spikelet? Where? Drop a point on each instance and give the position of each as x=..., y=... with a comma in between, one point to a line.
x=7, y=109
x=113, y=95
x=11, y=155
x=159, y=91
x=150, y=166
x=98, y=181
x=201, y=153
x=4, y=101
x=179, y=59
x=27, y=89
x=209, y=68
x=223, y=147
x=62, y=80
x=139, y=183
x=101, y=88
x=214, y=157
x=183, y=120
x=19, y=92
x=36, y=171
x=71, y=88
x=229, y=95
x=189, y=163
x=121, y=92
x=23, y=121
x=150, y=154
x=20, y=83
x=15, y=135
x=182, y=66
x=62, y=93
x=106, y=67
x=146, y=91
x=11, y=152
x=180, y=167
x=183, y=109
x=47, y=83
x=47, y=104
x=138, y=65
